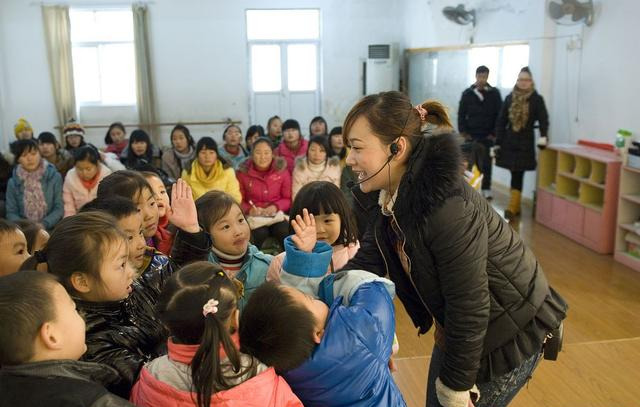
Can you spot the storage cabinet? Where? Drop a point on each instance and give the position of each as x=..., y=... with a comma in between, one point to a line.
x=577, y=194
x=628, y=215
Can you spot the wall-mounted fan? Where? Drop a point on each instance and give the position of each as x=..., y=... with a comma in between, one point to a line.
x=460, y=15
x=569, y=12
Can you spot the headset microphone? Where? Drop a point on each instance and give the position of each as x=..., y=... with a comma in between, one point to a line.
x=394, y=150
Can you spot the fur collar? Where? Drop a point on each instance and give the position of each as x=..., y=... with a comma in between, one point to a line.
x=434, y=174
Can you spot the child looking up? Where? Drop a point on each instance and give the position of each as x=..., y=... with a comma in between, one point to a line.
x=204, y=367
x=222, y=217
x=42, y=336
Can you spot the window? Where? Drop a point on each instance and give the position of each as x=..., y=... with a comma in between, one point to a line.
x=103, y=55
x=504, y=63
x=283, y=24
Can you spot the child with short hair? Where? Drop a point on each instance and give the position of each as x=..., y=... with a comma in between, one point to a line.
x=81, y=183
x=335, y=224
x=42, y=336
x=35, y=189
x=318, y=165
x=318, y=127
x=89, y=254
x=230, y=234
x=13, y=247
x=333, y=349
x=204, y=367
x=37, y=237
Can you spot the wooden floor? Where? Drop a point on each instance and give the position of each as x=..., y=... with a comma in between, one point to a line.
x=600, y=362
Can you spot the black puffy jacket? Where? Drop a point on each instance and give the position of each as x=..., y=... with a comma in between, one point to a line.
x=517, y=149
x=126, y=334
x=468, y=269
x=478, y=117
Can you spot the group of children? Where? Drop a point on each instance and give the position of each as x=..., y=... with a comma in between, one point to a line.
x=49, y=182
x=180, y=308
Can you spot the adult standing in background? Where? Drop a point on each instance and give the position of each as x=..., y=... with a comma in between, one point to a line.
x=522, y=108
x=477, y=114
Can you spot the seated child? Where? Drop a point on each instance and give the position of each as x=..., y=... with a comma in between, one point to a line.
x=199, y=306
x=41, y=339
x=35, y=190
x=222, y=217
x=13, y=248
x=335, y=224
x=37, y=237
x=81, y=183
x=330, y=351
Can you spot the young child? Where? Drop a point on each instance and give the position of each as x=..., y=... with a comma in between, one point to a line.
x=37, y=237
x=140, y=151
x=336, y=142
x=81, y=184
x=13, y=248
x=181, y=153
x=35, y=189
x=52, y=151
x=293, y=144
x=42, y=336
x=335, y=224
x=89, y=254
x=73, y=135
x=210, y=171
x=222, y=217
x=132, y=185
x=318, y=165
x=204, y=367
x=232, y=149
x=116, y=139
x=329, y=350
x=163, y=237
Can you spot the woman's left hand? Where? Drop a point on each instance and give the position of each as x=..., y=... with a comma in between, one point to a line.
x=183, y=211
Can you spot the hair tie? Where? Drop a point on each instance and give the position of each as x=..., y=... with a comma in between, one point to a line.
x=40, y=256
x=221, y=273
x=422, y=112
x=211, y=307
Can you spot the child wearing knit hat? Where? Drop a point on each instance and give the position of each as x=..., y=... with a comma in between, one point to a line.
x=73, y=135
x=23, y=129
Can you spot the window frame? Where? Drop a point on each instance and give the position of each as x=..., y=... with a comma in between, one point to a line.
x=97, y=44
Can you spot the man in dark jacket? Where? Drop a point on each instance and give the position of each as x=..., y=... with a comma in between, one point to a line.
x=477, y=115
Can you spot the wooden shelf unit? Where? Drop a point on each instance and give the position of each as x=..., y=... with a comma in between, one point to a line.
x=628, y=214
x=577, y=194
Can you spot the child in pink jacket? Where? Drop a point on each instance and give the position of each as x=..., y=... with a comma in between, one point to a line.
x=81, y=183
x=204, y=366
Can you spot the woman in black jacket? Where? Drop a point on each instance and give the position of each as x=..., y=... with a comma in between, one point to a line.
x=453, y=259
x=514, y=134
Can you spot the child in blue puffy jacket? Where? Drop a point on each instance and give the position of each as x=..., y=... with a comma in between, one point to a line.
x=330, y=336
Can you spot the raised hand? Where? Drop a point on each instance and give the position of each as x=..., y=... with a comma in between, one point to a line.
x=305, y=231
x=183, y=208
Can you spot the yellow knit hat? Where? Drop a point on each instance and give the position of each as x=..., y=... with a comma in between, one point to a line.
x=21, y=126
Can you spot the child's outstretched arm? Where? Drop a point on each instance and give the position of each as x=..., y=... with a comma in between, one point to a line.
x=191, y=242
x=305, y=231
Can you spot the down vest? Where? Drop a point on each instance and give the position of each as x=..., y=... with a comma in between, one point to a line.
x=466, y=268
x=264, y=188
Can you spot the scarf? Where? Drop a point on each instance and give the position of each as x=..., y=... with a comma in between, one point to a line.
x=317, y=169
x=185, y=158
x=89, y=185
x=519, y=109
x=231, y=264
x=35, y=205
x=163, y=239
x=208, y=181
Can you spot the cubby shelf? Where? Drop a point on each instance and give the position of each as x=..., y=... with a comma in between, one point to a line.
x=628, y=214
x=578, y=193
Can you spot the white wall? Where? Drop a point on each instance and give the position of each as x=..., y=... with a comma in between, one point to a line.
x=199, y=58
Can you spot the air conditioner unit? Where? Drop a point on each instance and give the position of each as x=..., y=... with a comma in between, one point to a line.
x=382, y=72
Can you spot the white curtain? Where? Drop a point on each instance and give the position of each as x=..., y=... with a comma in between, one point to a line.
x=57, y=32
x=144, y=81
